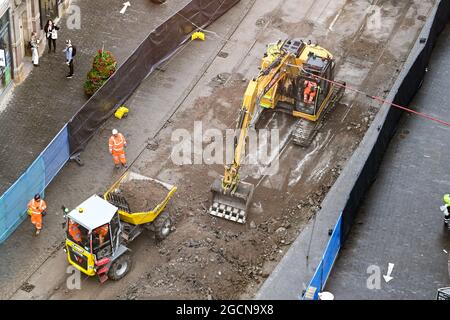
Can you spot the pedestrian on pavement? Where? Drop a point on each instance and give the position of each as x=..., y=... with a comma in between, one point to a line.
x=36, y=208
x=34, y=44
x=51, y=33
x=70, y=53
x=117, y=144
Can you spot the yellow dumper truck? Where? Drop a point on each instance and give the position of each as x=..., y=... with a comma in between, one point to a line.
x=99, y=229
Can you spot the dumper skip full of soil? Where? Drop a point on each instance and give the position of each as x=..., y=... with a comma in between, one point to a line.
x=143, y=195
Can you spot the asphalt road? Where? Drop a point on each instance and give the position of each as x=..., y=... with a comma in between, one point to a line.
x=400, y=221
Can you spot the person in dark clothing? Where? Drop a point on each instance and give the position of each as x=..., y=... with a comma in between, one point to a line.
x=69, y=58
x=51, y=33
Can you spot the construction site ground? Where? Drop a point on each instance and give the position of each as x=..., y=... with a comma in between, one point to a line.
x=206, y=257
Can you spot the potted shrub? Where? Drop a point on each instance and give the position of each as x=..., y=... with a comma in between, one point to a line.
x=103, y=67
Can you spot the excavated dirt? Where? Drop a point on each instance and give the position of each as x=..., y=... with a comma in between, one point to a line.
x=143, y=195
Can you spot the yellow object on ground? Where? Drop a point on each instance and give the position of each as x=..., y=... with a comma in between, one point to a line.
x=198, y=35
x=121, y=112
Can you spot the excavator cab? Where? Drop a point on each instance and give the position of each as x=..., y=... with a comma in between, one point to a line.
x=312, y=91
x=319, y=68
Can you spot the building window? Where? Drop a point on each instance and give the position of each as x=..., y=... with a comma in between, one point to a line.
x=5, y=52
x=49, y=10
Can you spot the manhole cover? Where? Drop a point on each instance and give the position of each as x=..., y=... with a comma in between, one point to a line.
x=223, y=54
x=27, y=287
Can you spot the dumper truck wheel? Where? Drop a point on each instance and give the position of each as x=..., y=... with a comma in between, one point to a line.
x=162, y=225
x=120, y=267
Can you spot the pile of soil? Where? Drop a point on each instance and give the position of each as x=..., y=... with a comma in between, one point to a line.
x=143, y=195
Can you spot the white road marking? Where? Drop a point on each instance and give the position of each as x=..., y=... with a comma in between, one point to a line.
x=335, y=19
x=346, y=113
x=388, y=277
x=125, y=7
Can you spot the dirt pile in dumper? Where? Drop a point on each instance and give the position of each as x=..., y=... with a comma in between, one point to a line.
x=143, y=195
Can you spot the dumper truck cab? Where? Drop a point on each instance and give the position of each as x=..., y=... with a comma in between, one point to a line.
x=93, y=242
x=99, y=229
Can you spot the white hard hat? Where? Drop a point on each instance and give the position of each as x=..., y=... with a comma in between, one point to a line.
x=115, y=131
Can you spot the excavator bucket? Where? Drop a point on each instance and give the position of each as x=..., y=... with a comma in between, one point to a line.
x=231, y=205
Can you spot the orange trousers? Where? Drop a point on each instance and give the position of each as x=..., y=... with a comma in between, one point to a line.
x=119, y=157
x=36, y=219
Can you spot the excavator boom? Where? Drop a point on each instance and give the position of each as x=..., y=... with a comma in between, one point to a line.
x=231, y=196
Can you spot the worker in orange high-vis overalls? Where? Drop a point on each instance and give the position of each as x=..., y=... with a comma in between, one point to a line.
x=310, y=91
x=36, y=208
x=117, y=144
x=102, y=232
x=74, y=231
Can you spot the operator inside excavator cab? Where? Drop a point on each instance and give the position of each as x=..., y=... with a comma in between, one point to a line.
x=309, y=92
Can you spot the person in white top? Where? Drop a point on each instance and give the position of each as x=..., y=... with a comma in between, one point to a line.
x=34, y=43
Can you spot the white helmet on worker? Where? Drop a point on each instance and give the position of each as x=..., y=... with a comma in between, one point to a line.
x=114, y=132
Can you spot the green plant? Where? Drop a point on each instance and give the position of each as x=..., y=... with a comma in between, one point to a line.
x=103, y=67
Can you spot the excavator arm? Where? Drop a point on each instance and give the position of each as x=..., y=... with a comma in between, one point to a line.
x=231, y=175
x=231, y=196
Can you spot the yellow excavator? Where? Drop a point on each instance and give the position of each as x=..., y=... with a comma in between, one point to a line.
x=295, y=77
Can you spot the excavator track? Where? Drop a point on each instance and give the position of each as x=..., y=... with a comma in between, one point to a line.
x=305, y=131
